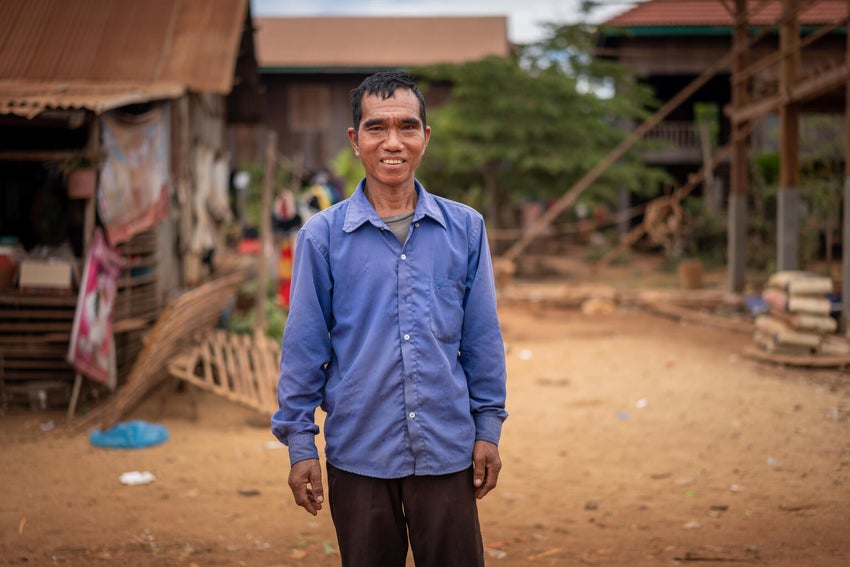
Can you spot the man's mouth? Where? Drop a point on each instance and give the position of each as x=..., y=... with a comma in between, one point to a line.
x=392, y=161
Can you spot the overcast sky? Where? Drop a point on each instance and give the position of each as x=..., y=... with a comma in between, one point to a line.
x=524, y=16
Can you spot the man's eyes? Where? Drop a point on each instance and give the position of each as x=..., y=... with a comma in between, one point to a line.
x=404, y=127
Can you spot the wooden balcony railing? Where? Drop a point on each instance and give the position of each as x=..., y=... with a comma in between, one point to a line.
x=674, y=142
x=680, y=134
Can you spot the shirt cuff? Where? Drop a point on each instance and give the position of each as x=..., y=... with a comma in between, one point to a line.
x=488, y=428
x=302, y=446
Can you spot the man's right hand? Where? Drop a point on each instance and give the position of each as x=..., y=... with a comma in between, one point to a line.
x=305, y=480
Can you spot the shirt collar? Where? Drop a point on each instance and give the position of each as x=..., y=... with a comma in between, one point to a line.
x=360, y=210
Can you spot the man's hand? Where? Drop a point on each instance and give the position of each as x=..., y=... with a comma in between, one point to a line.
x=305, y=480
x=485, y=458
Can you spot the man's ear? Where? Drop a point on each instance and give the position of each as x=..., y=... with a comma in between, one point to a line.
x=352, y=137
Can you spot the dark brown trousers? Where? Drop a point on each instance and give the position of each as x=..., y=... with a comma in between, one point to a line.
x=374, y=518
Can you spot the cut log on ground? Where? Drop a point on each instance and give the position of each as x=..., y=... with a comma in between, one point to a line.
x=811, y=361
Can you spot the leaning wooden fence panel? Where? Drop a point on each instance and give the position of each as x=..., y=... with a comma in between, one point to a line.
x=240, y=368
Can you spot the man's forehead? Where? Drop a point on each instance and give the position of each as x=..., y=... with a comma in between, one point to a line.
x=398, y=97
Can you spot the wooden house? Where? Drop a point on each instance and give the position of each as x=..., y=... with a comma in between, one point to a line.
x=310, y=65
x=68, y=72
x=757, y=63
x=669, y=44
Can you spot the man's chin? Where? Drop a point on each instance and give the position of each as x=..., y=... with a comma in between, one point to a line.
x=394, y=181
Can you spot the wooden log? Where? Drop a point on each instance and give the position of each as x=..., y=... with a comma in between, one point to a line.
x=692, y=315
x=813, y=360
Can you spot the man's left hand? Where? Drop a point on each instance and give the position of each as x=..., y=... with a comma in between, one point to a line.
x=485, y=458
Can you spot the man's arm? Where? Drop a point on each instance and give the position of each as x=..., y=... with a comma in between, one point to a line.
x=304, y=352
x=482, y=352
x=482, y=355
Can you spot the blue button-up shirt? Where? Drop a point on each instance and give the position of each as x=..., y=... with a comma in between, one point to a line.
x=400, y=345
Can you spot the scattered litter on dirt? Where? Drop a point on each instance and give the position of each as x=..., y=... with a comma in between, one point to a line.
x=135, y=434
x=134, y=478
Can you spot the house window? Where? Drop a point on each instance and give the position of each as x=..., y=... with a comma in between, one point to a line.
x=308, y=108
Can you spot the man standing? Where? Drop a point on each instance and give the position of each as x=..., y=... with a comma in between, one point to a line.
x=393, y=332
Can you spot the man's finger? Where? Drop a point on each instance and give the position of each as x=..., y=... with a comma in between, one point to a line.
x=489, y=482
x=479, y=474
x=316, y=492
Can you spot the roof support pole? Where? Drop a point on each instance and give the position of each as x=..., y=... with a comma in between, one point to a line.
x=845, y=222
x=788, y=196
x=266, y=244
x=737, y=210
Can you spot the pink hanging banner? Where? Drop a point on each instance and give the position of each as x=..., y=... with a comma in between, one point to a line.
x=92, y=348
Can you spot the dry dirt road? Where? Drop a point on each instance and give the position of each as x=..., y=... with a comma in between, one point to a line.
x=633, y=440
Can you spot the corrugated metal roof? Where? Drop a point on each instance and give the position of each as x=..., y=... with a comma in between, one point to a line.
x=715, y=13
x=82, y=53
x=28, y=99
x=366, y=42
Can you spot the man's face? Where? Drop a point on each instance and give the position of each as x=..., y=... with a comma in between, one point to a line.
x=391, y=139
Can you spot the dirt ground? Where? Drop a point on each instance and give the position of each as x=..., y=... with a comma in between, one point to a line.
x=633, y=440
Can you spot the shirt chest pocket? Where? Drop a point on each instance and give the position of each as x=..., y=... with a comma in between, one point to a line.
x=446, y=309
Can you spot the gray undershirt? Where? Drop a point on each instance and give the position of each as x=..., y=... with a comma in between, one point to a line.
x=399, y=224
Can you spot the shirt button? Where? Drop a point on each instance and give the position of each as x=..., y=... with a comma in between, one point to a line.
x=411, y=415
x=404, y=256
x=407, y=337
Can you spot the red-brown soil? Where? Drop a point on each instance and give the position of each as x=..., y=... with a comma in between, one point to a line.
x=633, y=440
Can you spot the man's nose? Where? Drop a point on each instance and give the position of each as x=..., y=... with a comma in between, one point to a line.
x=393, y=138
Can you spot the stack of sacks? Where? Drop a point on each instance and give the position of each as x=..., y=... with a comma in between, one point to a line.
x=799, y=320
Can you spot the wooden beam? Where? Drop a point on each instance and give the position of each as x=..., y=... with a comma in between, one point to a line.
x=789, y=114
x=788, y=194
x=776, y=56
x=265, y=229
x=799, y=93
x=844, y=322
x=736, y=229
x=48, y=155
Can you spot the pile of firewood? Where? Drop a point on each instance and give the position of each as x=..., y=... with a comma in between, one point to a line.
x=799, y=319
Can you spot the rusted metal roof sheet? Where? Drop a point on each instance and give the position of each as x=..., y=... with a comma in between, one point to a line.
x=366, y=42
x=28, y=99
x=97, y=53
x=664, y=13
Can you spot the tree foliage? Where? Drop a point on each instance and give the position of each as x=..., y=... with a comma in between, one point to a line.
x=527, y=127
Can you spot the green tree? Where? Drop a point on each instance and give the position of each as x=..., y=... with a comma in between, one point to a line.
x=527, y=127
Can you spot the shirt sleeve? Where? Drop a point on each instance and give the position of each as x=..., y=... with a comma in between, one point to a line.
x=305, y=350
x=482, y=352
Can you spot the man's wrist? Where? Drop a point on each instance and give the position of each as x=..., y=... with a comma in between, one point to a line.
x=302, y=447
x=488, y=428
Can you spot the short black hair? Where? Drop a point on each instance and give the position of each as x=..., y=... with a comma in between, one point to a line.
x=384, y=85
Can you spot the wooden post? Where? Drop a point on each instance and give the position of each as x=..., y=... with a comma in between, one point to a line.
x=845, y=230
x=739, y=182
x=92, y=148
x=185, y=186
x=89, y=218
x=708, y=186
x=265, y=228
x=788, y=196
